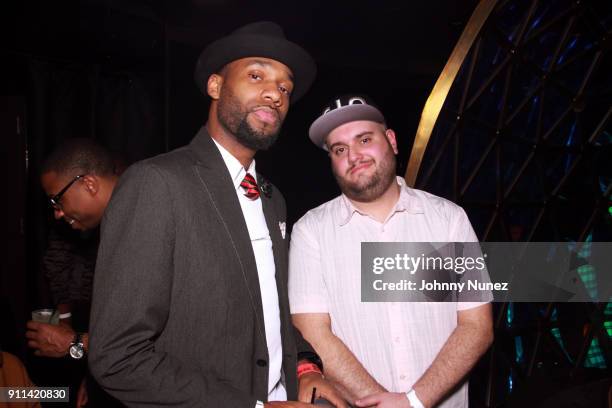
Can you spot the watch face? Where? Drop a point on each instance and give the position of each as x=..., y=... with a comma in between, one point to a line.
x=76, y=351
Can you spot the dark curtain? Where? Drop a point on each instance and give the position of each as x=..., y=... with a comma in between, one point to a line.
x=122, y=110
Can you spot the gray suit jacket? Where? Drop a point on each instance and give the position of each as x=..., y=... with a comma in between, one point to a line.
x=177, y=317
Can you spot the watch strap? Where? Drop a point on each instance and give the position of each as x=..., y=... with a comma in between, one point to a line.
x=415, y=402
x=311, y=357
x=78, y=345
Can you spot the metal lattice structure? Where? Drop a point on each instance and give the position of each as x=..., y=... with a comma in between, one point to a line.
x=524, y=144
x=530, y=109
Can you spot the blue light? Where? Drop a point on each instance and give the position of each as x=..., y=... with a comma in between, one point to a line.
x=569, y=142
x=518, y=347
x=509, y=314
x=569, y=47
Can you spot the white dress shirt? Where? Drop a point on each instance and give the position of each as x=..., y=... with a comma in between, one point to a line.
x=264, y=258
x=395, y=341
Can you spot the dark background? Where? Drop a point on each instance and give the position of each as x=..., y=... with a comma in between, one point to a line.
x=92, y=66
x=122, y=72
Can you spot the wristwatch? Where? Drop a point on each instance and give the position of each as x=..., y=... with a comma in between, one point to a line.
x=77, y=348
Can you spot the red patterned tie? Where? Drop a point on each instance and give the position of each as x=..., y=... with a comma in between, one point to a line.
x=250, y=185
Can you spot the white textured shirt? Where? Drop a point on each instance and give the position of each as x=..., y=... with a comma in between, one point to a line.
x=395, y=341
x=264, y=259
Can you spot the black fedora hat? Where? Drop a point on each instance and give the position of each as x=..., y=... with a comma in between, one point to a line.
x=260, y=39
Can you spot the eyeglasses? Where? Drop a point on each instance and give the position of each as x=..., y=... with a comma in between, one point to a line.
x=55, y=200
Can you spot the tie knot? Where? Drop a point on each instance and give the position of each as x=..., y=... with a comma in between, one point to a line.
x=250, y=186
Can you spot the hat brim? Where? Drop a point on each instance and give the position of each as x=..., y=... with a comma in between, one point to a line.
x=321, y=127
x=237, y=46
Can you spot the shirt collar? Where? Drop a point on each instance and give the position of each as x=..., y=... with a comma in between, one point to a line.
x=235, y=168
x=408, y=201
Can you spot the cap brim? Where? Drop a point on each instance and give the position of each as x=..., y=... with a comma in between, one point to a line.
x=321, y=127
x=234, y=47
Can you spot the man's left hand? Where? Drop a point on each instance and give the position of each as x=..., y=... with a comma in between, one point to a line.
x=324, y=390
x=49, y=340
x=385, y=400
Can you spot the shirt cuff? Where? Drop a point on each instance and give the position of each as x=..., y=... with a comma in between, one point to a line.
x=469, y=305
x=312, y=306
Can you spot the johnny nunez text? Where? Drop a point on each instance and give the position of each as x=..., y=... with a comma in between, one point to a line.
x=407, y=285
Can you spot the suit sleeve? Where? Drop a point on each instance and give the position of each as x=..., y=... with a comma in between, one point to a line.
x=301, y=344
x=131, y=301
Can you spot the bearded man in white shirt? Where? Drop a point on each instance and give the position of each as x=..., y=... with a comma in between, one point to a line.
x=382, y=354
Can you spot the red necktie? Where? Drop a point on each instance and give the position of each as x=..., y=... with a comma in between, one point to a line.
x=250, y=185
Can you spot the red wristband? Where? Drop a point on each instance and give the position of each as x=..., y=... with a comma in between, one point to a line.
x=305, y=368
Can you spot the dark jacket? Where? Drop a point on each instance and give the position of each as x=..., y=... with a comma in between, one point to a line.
x=177, y=316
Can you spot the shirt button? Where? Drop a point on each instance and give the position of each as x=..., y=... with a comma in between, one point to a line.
x=402, y=377
x=397, y=339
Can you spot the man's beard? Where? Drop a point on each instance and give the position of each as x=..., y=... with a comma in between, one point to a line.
x=233, y=117
x=368, y=190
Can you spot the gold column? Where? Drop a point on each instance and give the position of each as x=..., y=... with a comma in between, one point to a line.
x=438, y=95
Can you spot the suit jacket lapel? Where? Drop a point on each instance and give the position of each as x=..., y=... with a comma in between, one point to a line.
x=218, y=184
x=279, y=247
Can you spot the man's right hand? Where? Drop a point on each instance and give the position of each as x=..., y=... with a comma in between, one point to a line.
x=385, y=400
x=49, y=340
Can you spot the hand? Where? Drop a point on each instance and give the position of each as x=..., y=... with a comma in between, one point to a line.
x=324, y=390
x=385, y=400
x=49, y=340
x=82, y=396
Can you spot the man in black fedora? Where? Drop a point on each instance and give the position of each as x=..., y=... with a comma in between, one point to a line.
x=190, y=303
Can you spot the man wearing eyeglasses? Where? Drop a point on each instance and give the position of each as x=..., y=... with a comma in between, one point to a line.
x=82, y=206
x=78, y=177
